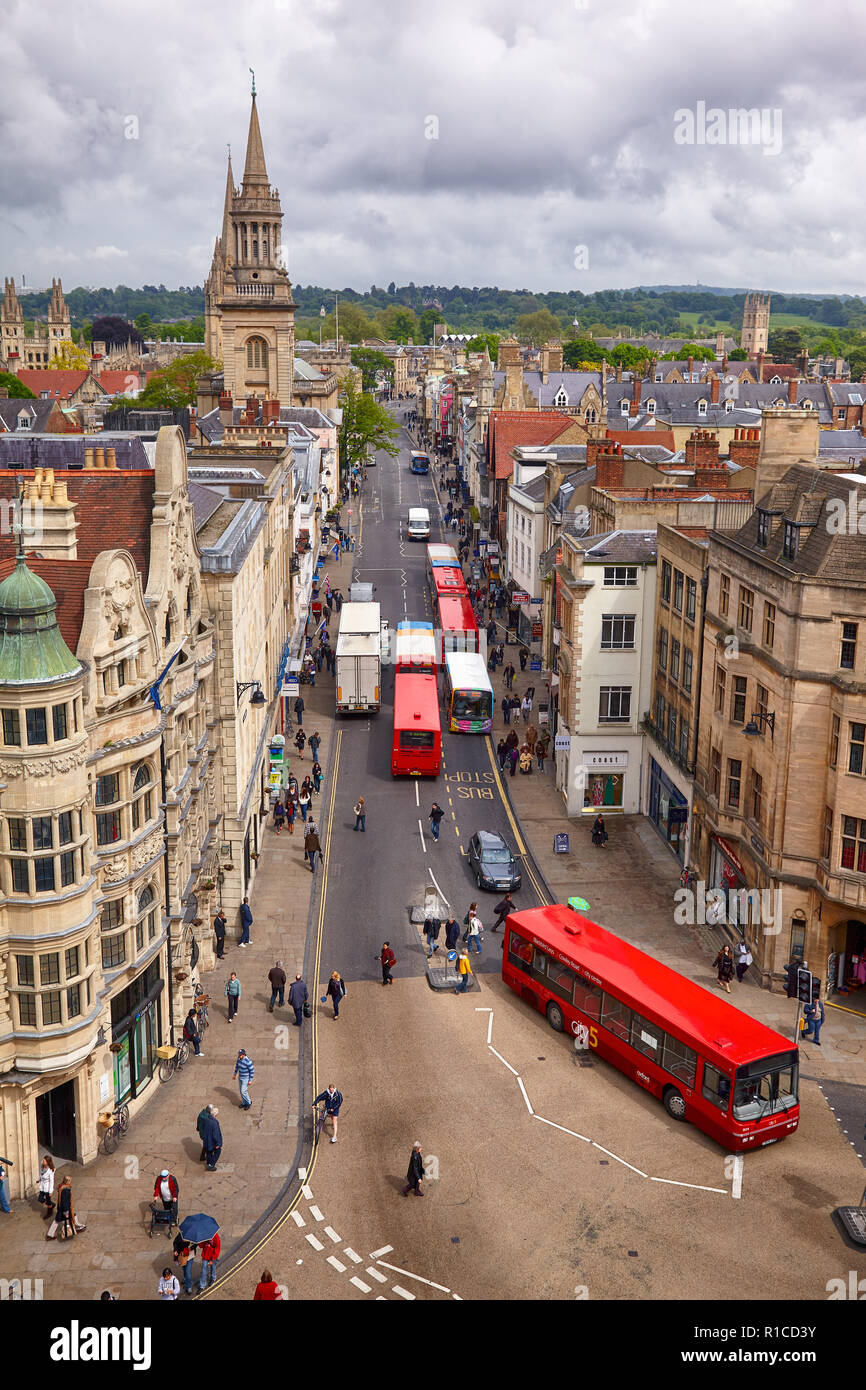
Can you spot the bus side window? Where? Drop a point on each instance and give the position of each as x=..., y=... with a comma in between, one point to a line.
x=539, y=963
x=587, y=998
x=615, y=1016
x=519, y=952
x=716, y=1087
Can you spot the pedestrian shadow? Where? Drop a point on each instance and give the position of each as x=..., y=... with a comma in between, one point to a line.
x=397, y=1183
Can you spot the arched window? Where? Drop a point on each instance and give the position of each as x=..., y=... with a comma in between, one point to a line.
x=142, y=796
x=650, y=407
x=257, y=353
x=590, y=415
x=560, y=400
x=702, y=407
x=142, y=778
x=145, y=898
x=146, y=918
x=167, y=629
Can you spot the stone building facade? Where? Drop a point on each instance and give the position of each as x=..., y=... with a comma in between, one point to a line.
x=18, y=348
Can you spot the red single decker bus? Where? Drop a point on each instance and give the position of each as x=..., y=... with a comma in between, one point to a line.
x=731, y=1076
x=417, y=747
x=457, y=623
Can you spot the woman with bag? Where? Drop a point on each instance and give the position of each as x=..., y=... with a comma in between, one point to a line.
x=46, y=1186
x=279, y=816
x=64, y=1223
x=724, y=963
x=337, y=991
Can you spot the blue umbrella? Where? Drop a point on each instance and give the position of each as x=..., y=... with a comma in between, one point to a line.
x=198, y=1228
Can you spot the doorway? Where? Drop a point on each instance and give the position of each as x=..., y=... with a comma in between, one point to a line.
x=55, y=1121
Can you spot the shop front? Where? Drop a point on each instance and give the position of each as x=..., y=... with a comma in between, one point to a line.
x=846, y=965
x=136, y=1023
x=603, y=774
x=668, y=810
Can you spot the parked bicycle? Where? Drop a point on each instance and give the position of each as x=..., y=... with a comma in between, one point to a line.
x=171, y=1059
x=119, y=1126
x=200, y=1003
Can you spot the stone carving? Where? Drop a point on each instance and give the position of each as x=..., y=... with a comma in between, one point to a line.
x=116, y=869
x=147, y=850
x=64, y=762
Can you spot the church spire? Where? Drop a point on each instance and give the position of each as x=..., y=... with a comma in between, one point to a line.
x=227, y=243
x=255, y=173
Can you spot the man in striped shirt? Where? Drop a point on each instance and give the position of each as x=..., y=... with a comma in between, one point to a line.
x=244, y=1071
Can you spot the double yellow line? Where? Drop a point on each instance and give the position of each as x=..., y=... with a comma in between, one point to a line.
x=521, y=846
x=285, y=1216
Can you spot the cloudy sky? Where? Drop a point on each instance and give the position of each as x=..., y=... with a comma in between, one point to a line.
x=450, y=142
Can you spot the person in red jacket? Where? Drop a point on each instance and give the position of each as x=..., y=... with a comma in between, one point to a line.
x=165, y=1188
x=210, y=1253
x=387, y=959
x=267, y=1290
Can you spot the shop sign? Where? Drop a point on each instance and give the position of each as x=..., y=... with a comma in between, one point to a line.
x=537, y=630
x=535, y=664
x=731, y=854
x=562, y=743
x=561, y=844
x=290, y=689
x=519, y=597
x=605, y=759
x=536, y=602
x=757, y=845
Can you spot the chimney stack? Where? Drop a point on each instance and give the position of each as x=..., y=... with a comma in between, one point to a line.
x=792, y=390
x=760, y=364
x=714, y=390
x=689, y=367
x=702, y=449
x=636, y=390
x=226, y=407
x=743, y=448
x=609, y=465
x=270, y=412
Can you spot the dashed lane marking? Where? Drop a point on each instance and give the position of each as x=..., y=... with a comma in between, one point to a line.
x=316, y=1214
x=307, y=1193
x=386, y=1250
x=298, y=1219
x=376, y=1274
x=359, y=1284
x=421, y=833
x=737, y=1183
x=337, y=1264
x=329, y=1231
x=316, y=1244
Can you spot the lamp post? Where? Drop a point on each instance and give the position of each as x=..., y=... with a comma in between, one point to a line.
x=758, y=718
x=258, y=695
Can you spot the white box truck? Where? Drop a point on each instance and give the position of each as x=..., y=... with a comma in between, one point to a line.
x=359, y=658
x=419, y=524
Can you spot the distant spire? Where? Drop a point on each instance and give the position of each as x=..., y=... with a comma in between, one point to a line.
x=255, y=173
x=227, y=240
x=252, y=74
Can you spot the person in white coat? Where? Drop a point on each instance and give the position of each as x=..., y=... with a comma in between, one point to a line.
x=46, y=1186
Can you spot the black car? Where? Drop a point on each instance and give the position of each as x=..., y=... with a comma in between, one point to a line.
x=492, y=862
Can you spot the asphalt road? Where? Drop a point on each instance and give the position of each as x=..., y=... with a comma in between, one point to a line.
x=377, y=876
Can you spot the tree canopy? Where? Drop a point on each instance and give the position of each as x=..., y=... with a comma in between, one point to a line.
x=175, y=386
x=785, y=343
x=16, y=388
x=115, y=332
x=366, y=426
x=371, y=361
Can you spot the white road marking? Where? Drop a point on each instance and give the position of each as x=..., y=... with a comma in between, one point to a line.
x=407, y=1274
x=307, y=1193
x=490, y=1028
x=503, y=1061
x=350, y=1254
x=573, y=1132
x=699, y=1187
x=417, y=796
x=329, y=1231
x=386, y=1250
x=457, y=1297
x=436, y=885
x=617, y=1159
x=338, y=1266
x=316, y=1214
x=380, y=1298
x=525, y=1096
x=404, y=1293
x=737, y=1187
x=421, y=833
x=298, y=1219
x=376, y=1274
x=302, y=1174
x=359, y=1284
x=316, y=1244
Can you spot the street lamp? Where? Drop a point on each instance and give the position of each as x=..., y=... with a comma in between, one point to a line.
x=258, y=695
x=760, y=717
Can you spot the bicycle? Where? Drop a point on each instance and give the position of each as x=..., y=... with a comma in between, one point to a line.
x=171, y=1059
x=321, y=1115
x=200, y=1003
x=113, y=1132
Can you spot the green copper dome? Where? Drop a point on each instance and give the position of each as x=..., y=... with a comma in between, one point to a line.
x=31, y=646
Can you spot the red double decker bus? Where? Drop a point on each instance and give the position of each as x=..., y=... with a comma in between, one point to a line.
x=731, y=1076
x=447, y=580
x=457, y=623
x=417, y=747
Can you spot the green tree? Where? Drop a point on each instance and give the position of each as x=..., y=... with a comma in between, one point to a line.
x=355, y=325
x=856, y=361
x=397, y=324
x=69, y=357
x=579, y=351
x=738, y=355
x=370, y=361
x=784, y=344
x=16, y=388
x=482, y=341
x=174, y=386
x=366, y=427
x=143, y=324
x=537, y=328
x=427, y=320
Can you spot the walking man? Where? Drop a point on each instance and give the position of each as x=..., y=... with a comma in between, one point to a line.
x=814, y=1015
x=315, y=745
x=199, y=1124
x=297, y=999
x=744, y=959
x=526, y=708
x=244, y=1071
x=233, y=994
x=212, y=1138
x=332, y=1099
x=508, y=673
x=360, y=809
x=312, y=846
x=387, y=960
x=220, y=923
x=452, y=933
x=277, y=978
x=432, y=928
x=502, y=910
x=299, y=710
x=246, y=922
x=473, y=934
x=435, y=819
x=415, y=1171
x=190, y=1032
x=506, y=709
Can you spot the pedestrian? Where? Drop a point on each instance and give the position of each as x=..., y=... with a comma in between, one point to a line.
x=531, y=737
x=299, y=710
x=266, y=1290
x=491, y=630
x=220, y=923
x=318, y=656
x=506, y=709
x=183, y=1256
x=336, y=989
x=387, y=960
x=210, y=1253
x=199, y=1124
x=300, y=740
x=298, y=999
x=46, y=1185
x=515, y=706
x=277, y=979
x=332, y=661
x=191, y=1033
x=165, y=1190
x=338, y=599
x=530, y=695
x=452, y=933
x=435, y=819
x=814, y=1015
x=312, y=846
x=304, y=802
x=315, y=745
x=523, y=658
x=291, y=812
x=65, y=1212
x=599, y=833
x=244, y=1071
x=360, y=809
x=513, y=758
x=472, y=935
x=502, y=910
x=464, y=970
x=526, y=708
x=432, y=927
x=279, y=816
x=415, y=1171
x=317, y=778
x=332, y=1099
x=724, y=963
x=233, y=995
x=744, y=959
x=168, y=1289
x=541, y=748
x=246, y=922
x=212, y=1138
x=501, y=754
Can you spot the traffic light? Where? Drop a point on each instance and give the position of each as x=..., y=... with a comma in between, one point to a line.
x=791, y=972
x=816, y=987
x=804, y=986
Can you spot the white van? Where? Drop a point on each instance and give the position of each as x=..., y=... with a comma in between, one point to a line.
x=419, y=523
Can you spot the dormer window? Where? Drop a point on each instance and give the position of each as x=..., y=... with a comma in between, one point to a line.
x=775, y=381
x=650, y=407
x=729, y=405
x=624, y=406
x=763, y=536
x=702, y=407
x=560, y=400
x=658, y=377
x=808, y=405
x=24, y=422
x=791, y=541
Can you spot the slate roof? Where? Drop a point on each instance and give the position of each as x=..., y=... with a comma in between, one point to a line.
x=39, y=411
x=205, y=501
x=618, y=547
x=534, y=489
x=826, y=550
x=114, y=511
x=66, y=451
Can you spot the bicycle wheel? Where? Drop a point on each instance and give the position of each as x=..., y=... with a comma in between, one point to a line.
x=203, y=1021
x=123, y=1118
x=183, y=1053
x=166, y=1069
x=111, y=1139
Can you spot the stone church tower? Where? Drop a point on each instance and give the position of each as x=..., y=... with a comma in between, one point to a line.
x=249, y=310
x=756, y=324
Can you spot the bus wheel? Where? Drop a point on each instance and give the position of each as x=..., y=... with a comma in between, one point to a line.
x=674, y=1103
x=554, y=1017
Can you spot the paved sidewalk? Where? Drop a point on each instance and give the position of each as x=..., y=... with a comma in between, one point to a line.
x=630, y=888
x=259, y=1146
